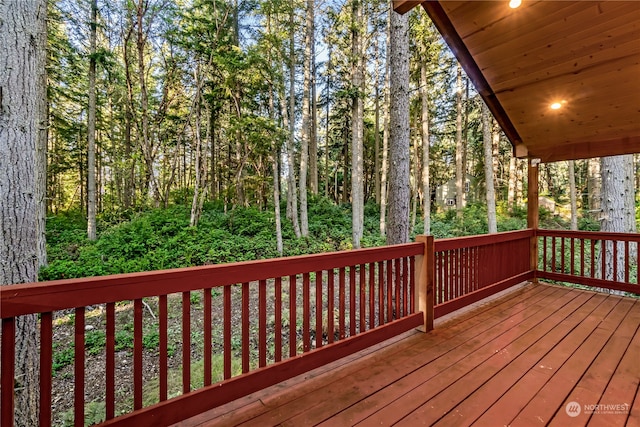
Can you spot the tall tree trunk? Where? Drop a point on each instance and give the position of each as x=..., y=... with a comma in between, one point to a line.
x=424, y=118
x=357, y=128
x=22, y=90
x=513, y=176
x=290, y=120
x=385, y=139
x=573, y=196
x=397, y=226
x=487, y=138
x=91, y=127
x=313, y=139
x=594, y=187
x=460, y=169
x=618, y=208
x=306, y=122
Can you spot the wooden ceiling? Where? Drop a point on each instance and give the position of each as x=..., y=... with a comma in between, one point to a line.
x=584, y=55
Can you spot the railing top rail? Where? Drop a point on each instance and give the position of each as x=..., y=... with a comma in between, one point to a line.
x=42, y=297
x=480, y=240
x=594, y=235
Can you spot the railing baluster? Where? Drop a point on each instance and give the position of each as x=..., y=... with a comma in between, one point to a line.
x=412, y=285
x=380, y=293
x=78, y=395
x=330, y=307
x=163, y=331
x=293, y=318
x=207, y=336
x=262, y=323
x=544, y=253
x=389, y=290
x=572, y=252
x=553, y=254
x=245, y=328
x=405, y=285
x=319, y=308
x=342, y=303
x=46, y=362
x=562, y=262
x=398, y=290
x=372, y=295
x=278, y=320
x=110, y=362
x=362, y=299
x=593, y=258
x=582, y=257
x=226, y=334
x=626, y=261
x=603, y=252
x=352, y=300
x=614, y=261
x=306, y=313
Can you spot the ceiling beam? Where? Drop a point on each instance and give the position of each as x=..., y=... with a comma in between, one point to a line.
x=586, y=149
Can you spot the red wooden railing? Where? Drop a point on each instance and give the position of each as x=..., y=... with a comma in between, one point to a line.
x=578, y=257
x=290, y=309
x=468, y=269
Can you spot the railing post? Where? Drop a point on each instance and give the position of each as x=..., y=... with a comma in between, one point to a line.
x=424, y=282
x=532, y=215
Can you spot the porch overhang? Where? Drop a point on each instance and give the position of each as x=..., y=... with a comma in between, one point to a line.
x=582, y=56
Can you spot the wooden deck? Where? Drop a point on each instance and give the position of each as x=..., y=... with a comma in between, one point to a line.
x=519, y=360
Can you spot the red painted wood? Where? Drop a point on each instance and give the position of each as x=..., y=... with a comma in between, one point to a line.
x=163, y=323
x=78, y=369
x=352, y=300
x=201, y=400
x=389, y=270
x=137, y=354
x=306, y=313
x=593, y=258
x=603, y=258
x=46, y=362
x=626, y=262
x=463, y=301
x=293, y=334
x=278, y=320
x=562, y=256
x=381, y=293
x=319, y=307
x=330, y=306
x=405, y=286
x=573, y=254
x=362, y=292
x=544, y=253
x=582, y=257
x=226, y=333
x=372, y=295
x=207, y=336
x=42, y=297
x=342, y=304
x=8, y=366
x=553, y=254
x=245, y=328
x=262, y=323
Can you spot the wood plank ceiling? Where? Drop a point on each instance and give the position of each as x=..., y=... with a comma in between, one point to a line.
x=584, y=55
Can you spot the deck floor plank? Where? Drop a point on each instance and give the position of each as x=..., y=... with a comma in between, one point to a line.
x=534, y=343
x=515, y=361
x=435, y=397
x=591, y=387
x=349, y=387
x=537, y=373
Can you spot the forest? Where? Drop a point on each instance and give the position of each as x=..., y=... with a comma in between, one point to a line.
x=174, y=121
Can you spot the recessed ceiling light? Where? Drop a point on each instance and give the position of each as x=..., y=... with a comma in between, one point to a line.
x=556, y=106
x=515, y=3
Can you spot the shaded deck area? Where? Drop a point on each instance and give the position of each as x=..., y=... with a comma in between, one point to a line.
x=519, y=360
